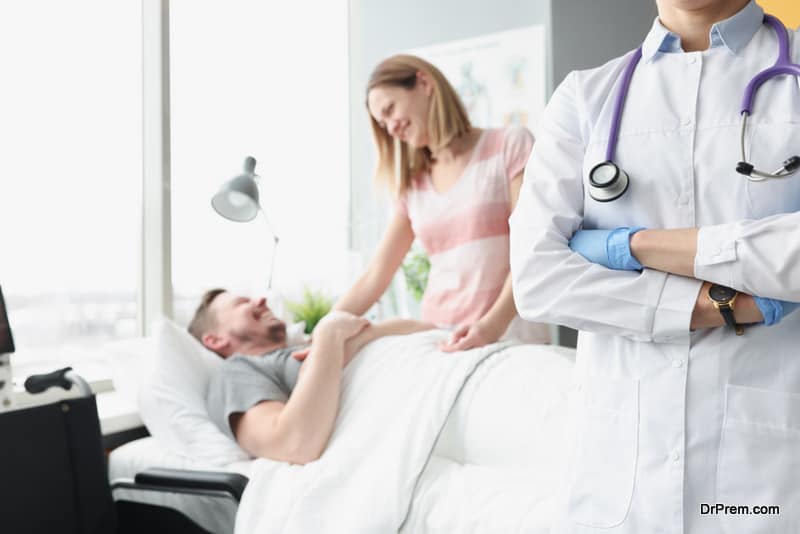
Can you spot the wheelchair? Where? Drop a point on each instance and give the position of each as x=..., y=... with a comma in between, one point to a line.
x=55, y=475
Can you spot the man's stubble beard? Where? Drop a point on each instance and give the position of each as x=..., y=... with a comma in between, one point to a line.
x=277, y=333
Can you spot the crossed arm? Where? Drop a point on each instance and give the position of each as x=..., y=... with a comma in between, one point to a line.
x=674, y=251
x=298, y=430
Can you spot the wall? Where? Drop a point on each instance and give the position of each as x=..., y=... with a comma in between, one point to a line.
x=786, y=10
x=587, y=33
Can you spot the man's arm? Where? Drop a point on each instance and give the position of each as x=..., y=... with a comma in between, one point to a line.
x=298, y=431
x=390, y=327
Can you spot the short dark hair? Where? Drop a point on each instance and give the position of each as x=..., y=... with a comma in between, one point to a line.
x=204, y=321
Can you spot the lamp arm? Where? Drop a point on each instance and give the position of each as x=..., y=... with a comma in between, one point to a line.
x=275, y=241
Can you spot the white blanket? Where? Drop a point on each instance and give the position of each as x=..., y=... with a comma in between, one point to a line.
x=397, y=394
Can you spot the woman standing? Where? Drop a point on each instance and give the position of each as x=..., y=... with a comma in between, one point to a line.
x=456, y=187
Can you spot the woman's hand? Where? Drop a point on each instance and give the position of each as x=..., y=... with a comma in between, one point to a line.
x=340, y=325
x=470, y=336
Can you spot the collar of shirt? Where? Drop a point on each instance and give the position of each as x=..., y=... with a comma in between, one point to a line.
x=733, y=33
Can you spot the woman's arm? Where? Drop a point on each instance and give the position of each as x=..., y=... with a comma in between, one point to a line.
x=670, y=251
x=390, y=327
x=758, y=257
x=554, y=284
x=371, y=285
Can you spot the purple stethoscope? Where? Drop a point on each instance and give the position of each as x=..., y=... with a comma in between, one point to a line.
x=608, y=182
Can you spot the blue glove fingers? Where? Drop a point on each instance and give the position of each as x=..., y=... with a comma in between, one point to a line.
x=770, y=309
x=618, y=249
x=774, y=310
x=591, y=244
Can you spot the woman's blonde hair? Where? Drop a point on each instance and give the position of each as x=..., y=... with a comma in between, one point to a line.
x=447, y=119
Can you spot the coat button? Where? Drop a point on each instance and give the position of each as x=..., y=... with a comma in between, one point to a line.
x=677, y=363
x=676, y=456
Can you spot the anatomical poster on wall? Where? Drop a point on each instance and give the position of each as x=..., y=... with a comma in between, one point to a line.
x=501, y=77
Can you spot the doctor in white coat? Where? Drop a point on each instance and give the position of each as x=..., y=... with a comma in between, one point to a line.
x=686, y=412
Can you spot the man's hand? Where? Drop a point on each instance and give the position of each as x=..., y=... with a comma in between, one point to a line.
x=339, y=325
x=301, y=354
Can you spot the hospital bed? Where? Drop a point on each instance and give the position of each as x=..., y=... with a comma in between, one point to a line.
x=494, y=466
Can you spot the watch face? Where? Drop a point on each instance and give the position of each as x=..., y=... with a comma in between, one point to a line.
x=721, y=293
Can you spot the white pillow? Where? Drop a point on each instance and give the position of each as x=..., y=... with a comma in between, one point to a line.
x=172, y=400
x=131, y=362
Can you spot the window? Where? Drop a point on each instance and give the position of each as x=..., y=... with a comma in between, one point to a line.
x=251, y=79
x=71, y=174
x=246, y=79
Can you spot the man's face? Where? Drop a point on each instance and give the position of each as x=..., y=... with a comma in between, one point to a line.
x=244, y=321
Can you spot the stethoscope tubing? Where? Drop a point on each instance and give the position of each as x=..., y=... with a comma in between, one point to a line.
x=783, y=65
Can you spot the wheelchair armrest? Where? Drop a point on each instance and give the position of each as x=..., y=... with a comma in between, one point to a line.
x=232, y=483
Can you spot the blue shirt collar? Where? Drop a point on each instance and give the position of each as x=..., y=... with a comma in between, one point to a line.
x=733, y=33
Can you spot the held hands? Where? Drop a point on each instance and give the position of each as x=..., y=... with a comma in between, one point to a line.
x=609, y=248
x=339, y=325
x=470, y=336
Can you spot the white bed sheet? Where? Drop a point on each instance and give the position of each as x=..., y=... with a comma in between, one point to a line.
x=494, y=468
x=501, y=454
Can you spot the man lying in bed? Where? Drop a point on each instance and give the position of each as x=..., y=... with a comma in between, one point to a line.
x=275, y=405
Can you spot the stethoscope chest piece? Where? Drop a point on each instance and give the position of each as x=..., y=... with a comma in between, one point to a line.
x=607, y=182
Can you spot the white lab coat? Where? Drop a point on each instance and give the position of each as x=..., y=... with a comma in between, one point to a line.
x=665, y=419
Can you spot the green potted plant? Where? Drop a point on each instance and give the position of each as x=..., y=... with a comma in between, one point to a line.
x=416, y=267
x=313, y=307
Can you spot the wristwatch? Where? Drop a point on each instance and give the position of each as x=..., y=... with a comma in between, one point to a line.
x=723, y=299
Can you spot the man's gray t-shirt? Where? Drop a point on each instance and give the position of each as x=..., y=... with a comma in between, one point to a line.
x=243, y=381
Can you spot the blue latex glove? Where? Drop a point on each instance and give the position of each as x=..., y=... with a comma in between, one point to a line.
x=774, y=310
x=609, y=248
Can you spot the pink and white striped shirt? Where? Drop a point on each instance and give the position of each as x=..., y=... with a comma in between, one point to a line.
x=465, y=232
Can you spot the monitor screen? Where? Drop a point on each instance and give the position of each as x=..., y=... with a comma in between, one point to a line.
x=6, y=341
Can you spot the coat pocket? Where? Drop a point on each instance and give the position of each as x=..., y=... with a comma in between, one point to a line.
x=604, y=463
x=759, y=461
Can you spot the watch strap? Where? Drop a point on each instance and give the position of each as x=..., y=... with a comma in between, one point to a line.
x=727, y=313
